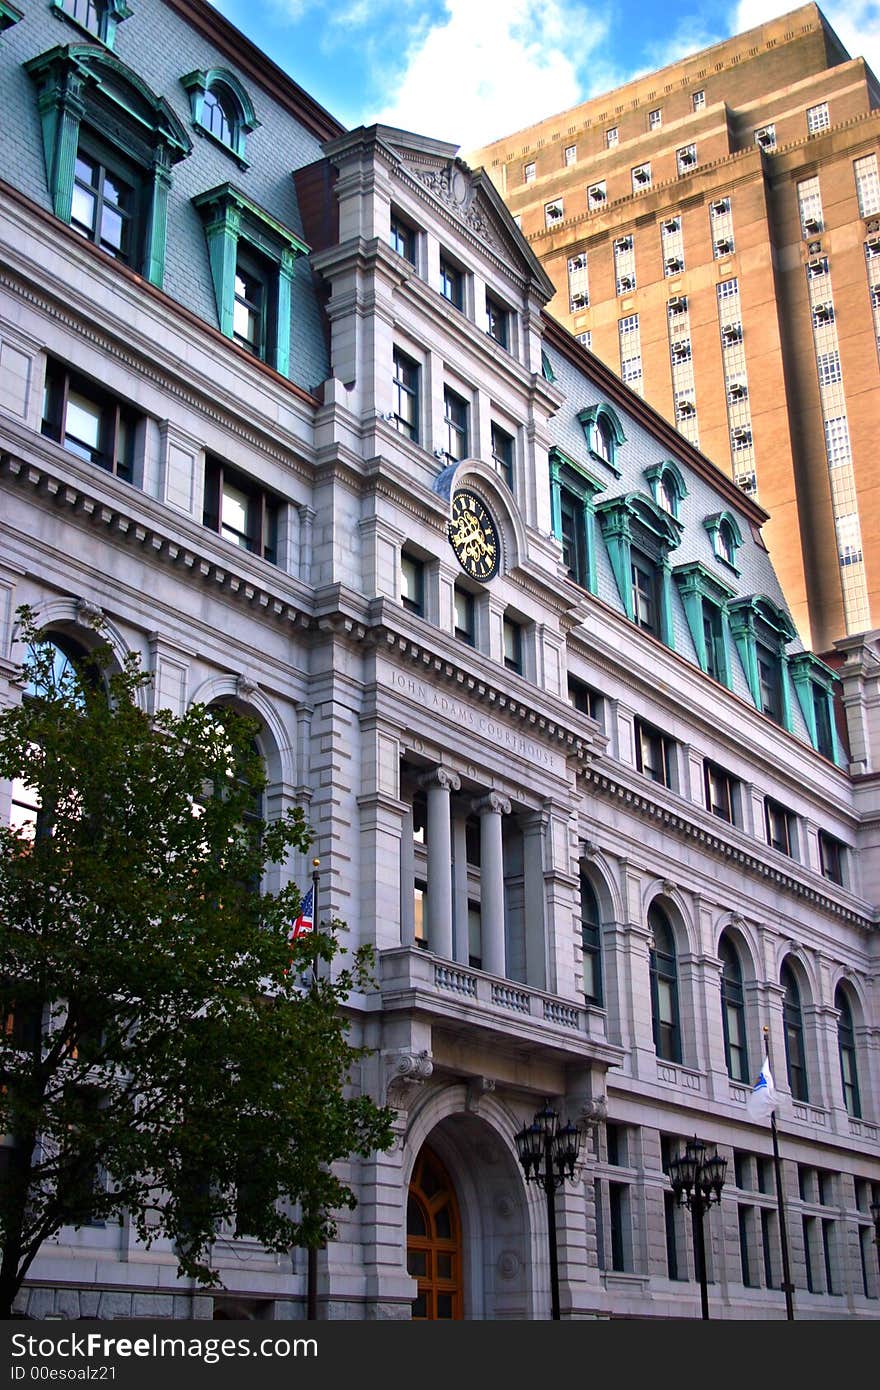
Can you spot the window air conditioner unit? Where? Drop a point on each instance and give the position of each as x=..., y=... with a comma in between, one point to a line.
x=823, y=313
x=732, y=333
x=686, y=409
x=819, y=266
x=672, y=224
x=579, y=301
x=721, y=205
x=625, y=243
x=677, y=304
x=554, y=212
x=765, y=137
x=641, y=176
x=723, y=246
x=578, y=262
x=872, y=245
x=674, y=263
x=738, y=390
x=687, y=158
x=681, y=349
x=742, y=435
x=598, y=195
x=812, y=225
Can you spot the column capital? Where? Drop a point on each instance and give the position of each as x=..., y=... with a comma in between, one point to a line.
x=441, y=777
x=492, y=802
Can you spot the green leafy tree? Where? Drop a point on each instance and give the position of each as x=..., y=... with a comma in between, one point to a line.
x=164, y=1050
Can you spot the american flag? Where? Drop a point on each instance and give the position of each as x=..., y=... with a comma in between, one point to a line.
x=303, y=924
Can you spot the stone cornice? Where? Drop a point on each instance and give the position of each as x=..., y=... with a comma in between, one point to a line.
x=144, y=523
x=754, y=861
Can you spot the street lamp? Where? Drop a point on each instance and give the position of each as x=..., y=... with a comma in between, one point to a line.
x=697, y=1178
x=548, y=1153
x=875, y=1217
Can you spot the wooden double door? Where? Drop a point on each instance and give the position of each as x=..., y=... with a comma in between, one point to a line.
x=433, y=1241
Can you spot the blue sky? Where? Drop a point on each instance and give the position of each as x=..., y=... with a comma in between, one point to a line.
x=468, y=71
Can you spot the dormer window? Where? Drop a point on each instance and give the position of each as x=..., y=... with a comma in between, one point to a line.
x=221, y=109
x=604, y=433
x=98, y=17
x=667, y=486
x=640, y=536
x=761, y=631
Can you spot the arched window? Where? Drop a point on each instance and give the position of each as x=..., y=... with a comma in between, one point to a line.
x=61, y=672
x=793, y=1025
x=591, y=941
x=664, y=987
x=733, y=1012
x=846, y=1044
x=98, y=17
x=221, y=108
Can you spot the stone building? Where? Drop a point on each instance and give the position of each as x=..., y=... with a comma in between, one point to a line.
x=712, y=231
x=282, y=401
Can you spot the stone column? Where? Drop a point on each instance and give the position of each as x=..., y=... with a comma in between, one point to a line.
x=407, y=880
x=439, y=784
x=490, y=809
x=460, y=881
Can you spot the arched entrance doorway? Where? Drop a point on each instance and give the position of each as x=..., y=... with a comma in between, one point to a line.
x=433, y=1240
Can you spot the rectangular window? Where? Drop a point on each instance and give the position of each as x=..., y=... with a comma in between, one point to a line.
x=655, y=119
x=412, y=583
x=721, y=792
x=808, y=1225
x=240, y=510
x=769, y=682
x=618, y=1203
x=818, y=118
x=403, y=238
x=767, y=1244
x=88, y=421
x=698, y=101
x=612, y=137
x=420, y=897
x=465, y=616
x=529, y=172
x=553, y=212
x=456, y=422
x=513, y=645
x=654, y=754
x=570, y=155
x=641, y=178
x=713, y=641
x=867, y=185
x=721, y=228
x=831, y=857
x=828, y=364
x=502, y=453
x=251, y=328
x=630, y=343
x=616, y=1144
x=475, y=936
x=827, y=1245
x=406, y=395
x=625, y=264
x=810, y=206
x=765, y=137
x=672, y=245
x=686, y=158
x=586, y=699
x=451, y=283
x=645, y=594
x=578, y=283
x=670, y=1214
x=821, y=700
x=597, y=195
x=498, y=321
x=104, y=206
x=744, y=1215
x=778, y=823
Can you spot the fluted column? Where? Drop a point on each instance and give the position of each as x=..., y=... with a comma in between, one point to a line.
x=439, y=784
x=490, y=809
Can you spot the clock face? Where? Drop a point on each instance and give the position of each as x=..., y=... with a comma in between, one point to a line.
x=473, y=536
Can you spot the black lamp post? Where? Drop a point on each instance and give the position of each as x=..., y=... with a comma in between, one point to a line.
x=697, y=1178
x=548, y=1153
x=875, y=1217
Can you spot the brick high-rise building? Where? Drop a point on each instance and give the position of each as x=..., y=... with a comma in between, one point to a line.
x=713, y=234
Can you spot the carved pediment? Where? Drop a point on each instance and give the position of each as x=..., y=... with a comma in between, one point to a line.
x=455, y=187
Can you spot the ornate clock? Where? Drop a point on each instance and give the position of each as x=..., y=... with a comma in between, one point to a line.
x=473, y=536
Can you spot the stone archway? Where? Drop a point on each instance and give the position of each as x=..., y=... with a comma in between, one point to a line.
x=481, y=1189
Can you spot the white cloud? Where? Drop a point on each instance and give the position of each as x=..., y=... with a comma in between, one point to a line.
x=856, y=23
x=492, y=66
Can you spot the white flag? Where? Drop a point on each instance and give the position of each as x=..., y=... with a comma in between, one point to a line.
x=762, y=1100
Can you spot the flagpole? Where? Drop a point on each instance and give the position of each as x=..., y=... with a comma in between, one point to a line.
x=787, y=1285
x=312, y=1250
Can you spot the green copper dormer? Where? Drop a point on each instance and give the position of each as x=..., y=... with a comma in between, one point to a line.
x=639, y=537
x=815, y=684
x=725, y=537
x=704, y=598
x=109, y=144
x=572, y=490
x=97, y=17
x=604, y=434
x=761, y=631
x=667, y=485
x=221, y=109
